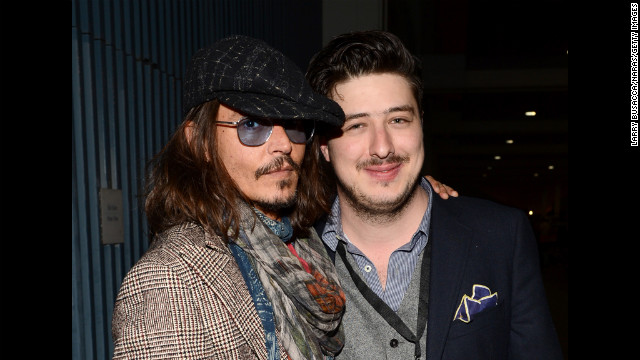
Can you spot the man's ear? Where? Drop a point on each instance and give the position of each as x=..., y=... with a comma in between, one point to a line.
x=325, y=152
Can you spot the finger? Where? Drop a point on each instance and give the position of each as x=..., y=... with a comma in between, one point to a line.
x=440, y=189
x=449, y=190
x=437, y=185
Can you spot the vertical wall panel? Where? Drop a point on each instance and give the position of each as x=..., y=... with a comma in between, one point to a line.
x=127, y=59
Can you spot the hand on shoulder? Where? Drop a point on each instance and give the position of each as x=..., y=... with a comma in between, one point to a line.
x=441, y=189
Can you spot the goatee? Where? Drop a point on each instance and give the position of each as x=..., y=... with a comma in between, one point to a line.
x=279, y=204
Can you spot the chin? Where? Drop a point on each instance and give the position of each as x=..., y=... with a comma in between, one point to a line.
x=379, y=200
x=277, y=203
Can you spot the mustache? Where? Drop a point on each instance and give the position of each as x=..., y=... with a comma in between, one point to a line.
x=389, y=160
x=276, y=164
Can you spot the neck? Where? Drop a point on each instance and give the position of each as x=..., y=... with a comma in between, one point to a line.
x=377, y=235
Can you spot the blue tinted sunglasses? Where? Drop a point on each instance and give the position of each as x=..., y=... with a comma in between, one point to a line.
x=256, y=131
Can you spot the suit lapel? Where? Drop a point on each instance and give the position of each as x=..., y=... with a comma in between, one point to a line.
x=450, y=248
x=216, y=265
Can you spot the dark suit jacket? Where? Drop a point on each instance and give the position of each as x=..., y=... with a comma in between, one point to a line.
x=475, y=241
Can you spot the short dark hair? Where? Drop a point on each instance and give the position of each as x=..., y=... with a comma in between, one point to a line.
x=351, y=55
x=361, y=53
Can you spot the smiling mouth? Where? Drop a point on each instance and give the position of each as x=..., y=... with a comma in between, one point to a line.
x=385, y=168
x=385, y=173
x=386, y=165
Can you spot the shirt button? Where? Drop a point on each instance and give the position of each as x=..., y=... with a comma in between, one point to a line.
x=367, y=268
x=393, y=343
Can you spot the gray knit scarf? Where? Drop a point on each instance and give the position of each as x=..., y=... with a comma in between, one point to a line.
x=307, y=307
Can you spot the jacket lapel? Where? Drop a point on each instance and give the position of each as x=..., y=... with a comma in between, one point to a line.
x=217, y=267
x=450, y=248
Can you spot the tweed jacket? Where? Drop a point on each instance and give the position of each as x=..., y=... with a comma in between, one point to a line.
x=186, y=299
x=474, y=242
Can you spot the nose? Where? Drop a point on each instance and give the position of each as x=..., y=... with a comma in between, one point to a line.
x=279, y=140
x=381, y=143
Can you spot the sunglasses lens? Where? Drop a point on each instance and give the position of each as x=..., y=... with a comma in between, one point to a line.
x=299, y=131
x=254, y=131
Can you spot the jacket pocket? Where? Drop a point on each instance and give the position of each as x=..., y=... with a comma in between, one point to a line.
x=491, y=317
x=485, y=337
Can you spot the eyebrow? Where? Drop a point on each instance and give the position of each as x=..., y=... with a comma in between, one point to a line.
x=390, y=110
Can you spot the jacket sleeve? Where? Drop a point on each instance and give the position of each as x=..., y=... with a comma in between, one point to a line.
x=154, y=311
x=532, y=333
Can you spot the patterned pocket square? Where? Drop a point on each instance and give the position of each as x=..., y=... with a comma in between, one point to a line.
x=481, y=299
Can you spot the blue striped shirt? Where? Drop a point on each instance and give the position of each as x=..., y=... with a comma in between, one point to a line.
x=402, y=261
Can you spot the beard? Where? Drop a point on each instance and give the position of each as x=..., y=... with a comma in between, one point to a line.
x=279, y=204
x=380, y=210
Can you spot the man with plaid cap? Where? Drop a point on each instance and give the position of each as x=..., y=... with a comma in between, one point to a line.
x=235, y=269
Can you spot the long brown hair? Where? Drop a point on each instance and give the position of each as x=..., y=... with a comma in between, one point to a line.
x=187, y=181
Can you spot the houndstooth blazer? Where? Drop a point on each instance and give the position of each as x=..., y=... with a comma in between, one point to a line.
x=186, y=299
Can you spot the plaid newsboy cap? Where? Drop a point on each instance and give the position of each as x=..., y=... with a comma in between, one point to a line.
x=251, y=77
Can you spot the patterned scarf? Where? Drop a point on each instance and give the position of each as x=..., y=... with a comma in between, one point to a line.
x=308, y=307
